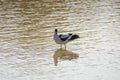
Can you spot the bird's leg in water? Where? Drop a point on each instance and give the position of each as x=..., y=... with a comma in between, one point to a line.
x=60, y=45
x=65, y=46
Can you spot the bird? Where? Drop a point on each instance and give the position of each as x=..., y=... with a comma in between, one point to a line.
x=63, y=39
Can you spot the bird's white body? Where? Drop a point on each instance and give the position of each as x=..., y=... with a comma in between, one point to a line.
x=59, y=41
x=63, y=39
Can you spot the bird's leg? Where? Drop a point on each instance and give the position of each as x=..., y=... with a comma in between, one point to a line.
x=60, y=45
x=65, y=46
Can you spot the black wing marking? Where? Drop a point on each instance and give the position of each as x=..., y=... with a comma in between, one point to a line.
x=69, y=34
x=63, y=39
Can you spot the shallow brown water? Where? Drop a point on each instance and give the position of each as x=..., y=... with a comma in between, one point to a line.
x=27, y=47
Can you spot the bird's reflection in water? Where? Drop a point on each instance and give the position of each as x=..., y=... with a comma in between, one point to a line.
x=63, y=54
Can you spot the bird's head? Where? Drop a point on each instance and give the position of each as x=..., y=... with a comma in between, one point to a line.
x=56, y=31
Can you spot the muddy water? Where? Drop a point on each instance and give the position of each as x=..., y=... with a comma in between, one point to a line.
x=27, y=49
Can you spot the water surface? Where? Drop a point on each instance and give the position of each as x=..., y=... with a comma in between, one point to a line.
x=28, y=51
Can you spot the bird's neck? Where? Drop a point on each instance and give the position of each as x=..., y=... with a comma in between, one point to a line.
x=55, y=33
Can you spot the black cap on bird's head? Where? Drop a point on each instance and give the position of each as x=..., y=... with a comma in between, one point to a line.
x=56, y=30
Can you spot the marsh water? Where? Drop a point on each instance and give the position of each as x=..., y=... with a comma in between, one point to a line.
x=28, y=51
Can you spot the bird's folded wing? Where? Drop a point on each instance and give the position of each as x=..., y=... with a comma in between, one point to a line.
x=63, y=37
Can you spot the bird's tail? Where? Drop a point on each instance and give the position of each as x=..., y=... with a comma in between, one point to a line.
x=73, y=37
